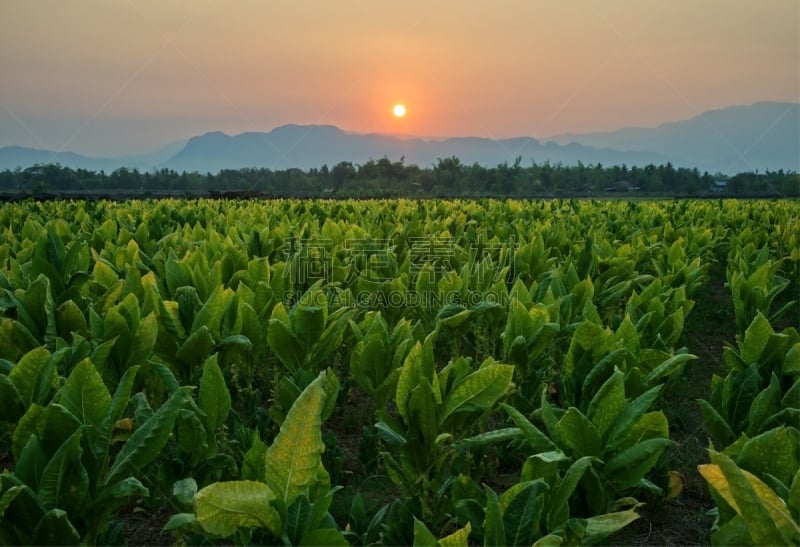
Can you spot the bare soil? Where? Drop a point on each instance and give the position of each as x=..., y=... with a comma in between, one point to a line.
x=685, y=520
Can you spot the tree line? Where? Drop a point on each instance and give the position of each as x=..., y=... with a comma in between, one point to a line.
x=448, y=177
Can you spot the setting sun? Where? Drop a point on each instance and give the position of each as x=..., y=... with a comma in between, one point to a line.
x=399, y=110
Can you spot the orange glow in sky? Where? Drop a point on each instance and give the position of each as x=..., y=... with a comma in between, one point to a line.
x=102, y=77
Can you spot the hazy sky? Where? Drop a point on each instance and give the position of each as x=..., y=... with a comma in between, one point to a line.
x=124, y=76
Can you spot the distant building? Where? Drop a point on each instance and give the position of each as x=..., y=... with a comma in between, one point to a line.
x=719, y=186
x=623, y=186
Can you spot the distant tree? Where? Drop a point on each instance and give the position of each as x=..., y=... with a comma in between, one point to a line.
x=384, y=177
x=342, y=172
x=447, y=171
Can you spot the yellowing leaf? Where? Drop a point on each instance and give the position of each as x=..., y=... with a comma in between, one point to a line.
x=292, y=462
x=478, y=391
x=223, y=507
x=459, y=538
x=675, y=484
x=766, y=515
x=608, y=402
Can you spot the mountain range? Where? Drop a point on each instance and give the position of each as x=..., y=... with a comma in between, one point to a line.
x=736, y=139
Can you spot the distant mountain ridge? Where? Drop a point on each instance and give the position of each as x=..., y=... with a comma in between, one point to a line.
x=735, y=139
x=764, y=135
x=316, y=145
x=12, y=157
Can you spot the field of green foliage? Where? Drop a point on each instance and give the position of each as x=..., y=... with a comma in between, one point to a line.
x=391, y=372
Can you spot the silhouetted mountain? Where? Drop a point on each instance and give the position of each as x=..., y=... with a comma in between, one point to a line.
x=731, y=140
x=12, y=157
x=316, y=145
x=762, y=136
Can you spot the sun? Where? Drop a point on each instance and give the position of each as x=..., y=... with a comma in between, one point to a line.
x=399, y=110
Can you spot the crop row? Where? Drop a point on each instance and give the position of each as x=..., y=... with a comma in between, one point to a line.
x=186, y=355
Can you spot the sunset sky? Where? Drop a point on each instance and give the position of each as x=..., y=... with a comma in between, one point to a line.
x=103, y=77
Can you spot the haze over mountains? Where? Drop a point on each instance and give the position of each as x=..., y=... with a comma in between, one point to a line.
x=730, y=140
x=761, y=136
x=312, y=146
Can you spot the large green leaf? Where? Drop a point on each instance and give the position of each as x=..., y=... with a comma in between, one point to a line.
x=523, y=512
x=588, y=337
x=390, y=435
x=776, y=452
x=104, y=274
x=65, y=483
x=253, y=465
x=630, y=417
x=308, y=323
x=668, y=367
x=541, y=339
x=596, y=374
x=224, y=507
x=119, y=401
x=537, y=440
x=543, y=465
x=148, y=439
x=11, y=406
x=52, y=424
x=452, y=315
x=764, y=405
x=30, y=371
x=70, y=319
x=283, y=343
x=29, y=424
x=20, y=510
x=210, y=314
x=628, y=336
x=37, y=312
x=494, y=530
x=791, y=364
x=331, y=337
x=410, y=375
x=143, y=341
x=580, y=435
x=478, y=391
x=628, y=467
x=297, y=521
x=369, y=362
x=495, y=436
x=192, y=434
x=214, y=398
x=294, y=458
x=55, y=528
x=756, y=338
x=422, y=536
x=422, y=410
x=558, y=503
x=601, y=526
x=793, y=501
x=198, y=346
x=32, y=461
x=85, y=395
x=519, y=324
x=716, y=425
x=608, y=402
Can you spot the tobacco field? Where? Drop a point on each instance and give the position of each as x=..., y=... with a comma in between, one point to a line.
x=398, y=372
